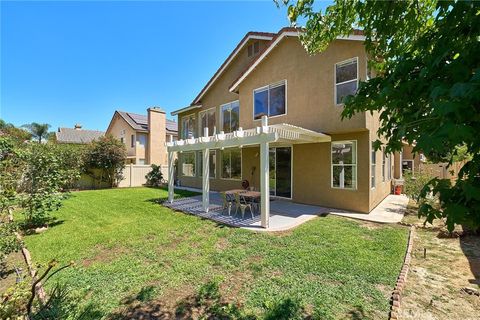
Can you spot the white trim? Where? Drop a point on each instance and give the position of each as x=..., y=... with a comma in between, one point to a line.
x=355, y=187
x=241, y=164
x=176, y=112
x=353, y=37
x=335, y=84
x=221, y=114
x=225, y=65
x=234, y=87
x=268, y=87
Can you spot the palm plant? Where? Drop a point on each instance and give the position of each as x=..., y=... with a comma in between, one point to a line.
x=38, y=130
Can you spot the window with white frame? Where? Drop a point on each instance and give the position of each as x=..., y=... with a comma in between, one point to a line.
x=232, y=163
x=270, y=100
x=188, y=127
x=212, y=162
x=384, y=163
x=344, y=165
x=346, y=79
x=207, y=120
x=230, y=116
x=373, y=166
x=188, y=164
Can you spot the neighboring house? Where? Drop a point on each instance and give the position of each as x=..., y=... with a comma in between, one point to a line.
x=410, y=161
x=312, y=156
x=144, y=135
x=77, y=135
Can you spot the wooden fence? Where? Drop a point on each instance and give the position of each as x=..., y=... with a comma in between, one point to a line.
x=440, y=170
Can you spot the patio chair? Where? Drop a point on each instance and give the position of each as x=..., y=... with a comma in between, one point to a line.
x=242, y=204
x=227, y=202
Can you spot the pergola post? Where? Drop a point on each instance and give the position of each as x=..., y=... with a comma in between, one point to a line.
x=170, y=173
x=205, y=177
x=264, y=177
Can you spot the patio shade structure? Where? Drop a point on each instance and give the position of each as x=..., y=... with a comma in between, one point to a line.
x=262, y=136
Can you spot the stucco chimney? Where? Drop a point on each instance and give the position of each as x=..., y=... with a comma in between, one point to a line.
x=156, y=150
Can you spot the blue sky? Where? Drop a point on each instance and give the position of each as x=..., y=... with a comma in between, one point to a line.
x=76, y=62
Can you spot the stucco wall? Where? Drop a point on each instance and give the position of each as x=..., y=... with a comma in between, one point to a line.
x=157, y=151
x=310, y=86
x=118, y=124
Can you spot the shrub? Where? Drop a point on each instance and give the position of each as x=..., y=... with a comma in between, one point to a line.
x=154, y=177
x=413, y=184
x=45, y=176
x=106, y=155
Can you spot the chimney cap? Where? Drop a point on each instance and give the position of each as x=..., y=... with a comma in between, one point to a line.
x=156, y=109
x=78, y=126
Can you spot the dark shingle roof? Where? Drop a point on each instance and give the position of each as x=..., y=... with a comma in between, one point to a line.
x=140, y=121
x=70, y=135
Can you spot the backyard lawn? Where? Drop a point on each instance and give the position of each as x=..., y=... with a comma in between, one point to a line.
x=134, y=257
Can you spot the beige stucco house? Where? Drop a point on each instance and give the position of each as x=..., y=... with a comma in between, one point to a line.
x=144, y=135
x=272, y=116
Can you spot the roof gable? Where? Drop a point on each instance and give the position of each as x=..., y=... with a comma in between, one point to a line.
x=139, y=122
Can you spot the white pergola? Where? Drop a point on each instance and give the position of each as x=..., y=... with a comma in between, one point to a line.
x=262, y=136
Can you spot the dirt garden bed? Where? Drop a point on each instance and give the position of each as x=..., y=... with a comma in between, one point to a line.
x=444, y=277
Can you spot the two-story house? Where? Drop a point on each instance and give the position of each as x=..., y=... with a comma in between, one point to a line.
x=144, y=135
x=273, y=115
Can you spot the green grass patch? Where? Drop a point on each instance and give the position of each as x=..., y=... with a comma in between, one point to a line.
x=129, y=248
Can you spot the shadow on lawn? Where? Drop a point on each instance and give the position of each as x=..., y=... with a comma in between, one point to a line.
x=470, y=245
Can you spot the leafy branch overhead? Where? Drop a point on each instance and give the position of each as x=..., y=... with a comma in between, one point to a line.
x=426, y=89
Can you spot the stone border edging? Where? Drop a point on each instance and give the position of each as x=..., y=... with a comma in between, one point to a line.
x=28, y=260
x=402, y=279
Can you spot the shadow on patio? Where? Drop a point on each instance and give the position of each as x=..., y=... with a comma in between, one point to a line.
x=284, y=214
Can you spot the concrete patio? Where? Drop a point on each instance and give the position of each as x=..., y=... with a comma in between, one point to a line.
x=285, y=214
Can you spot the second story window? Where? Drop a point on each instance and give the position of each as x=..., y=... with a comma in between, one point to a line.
x=132, y=141
x=142, y=140
x=346, y=79
x=270, y=101
x=230, y=116
x=207, y=120
x=188, y=127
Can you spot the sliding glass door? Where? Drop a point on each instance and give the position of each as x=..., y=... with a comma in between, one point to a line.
x=281, y=172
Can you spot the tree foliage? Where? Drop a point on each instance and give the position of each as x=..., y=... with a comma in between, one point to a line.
x=427, y=84
x=107, y=154
x=18, y=135
x=38, y=130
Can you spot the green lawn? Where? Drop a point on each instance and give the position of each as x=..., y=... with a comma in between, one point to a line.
x=133, y=254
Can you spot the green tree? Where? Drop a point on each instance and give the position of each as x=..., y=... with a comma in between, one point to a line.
x=38, y=130
x=427, y=84
x=18, y=135
x=106, y=155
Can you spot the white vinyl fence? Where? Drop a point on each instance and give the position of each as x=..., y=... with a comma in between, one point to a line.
x=134, y=175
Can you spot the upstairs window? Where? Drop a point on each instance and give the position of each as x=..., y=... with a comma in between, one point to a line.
x=230, y=116
x=207, y=120
x=344, y=165
x=346, y=79
x=188, y=127
x=270, y=101
x=132, y=141
x=142, y=140
x=253, y=49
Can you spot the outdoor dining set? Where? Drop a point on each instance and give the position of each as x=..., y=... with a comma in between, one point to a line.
x=241, y=200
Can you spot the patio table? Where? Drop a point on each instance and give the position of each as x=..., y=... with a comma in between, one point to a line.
x=253, y=196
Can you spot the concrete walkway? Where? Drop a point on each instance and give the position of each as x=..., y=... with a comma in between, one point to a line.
x=285, y=214
x=390, y=210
